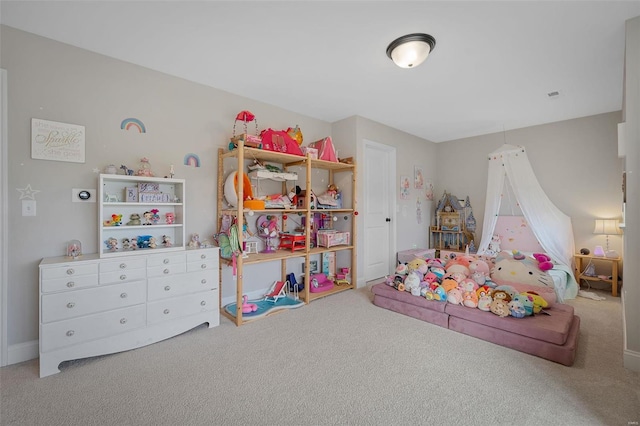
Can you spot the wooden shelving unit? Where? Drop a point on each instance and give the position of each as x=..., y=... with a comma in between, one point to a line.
x=242, y=156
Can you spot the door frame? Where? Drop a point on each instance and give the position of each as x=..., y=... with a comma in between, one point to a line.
x=391, y=153
x=4, y=221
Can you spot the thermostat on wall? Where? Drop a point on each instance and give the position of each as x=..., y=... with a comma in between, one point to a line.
x=83, y=195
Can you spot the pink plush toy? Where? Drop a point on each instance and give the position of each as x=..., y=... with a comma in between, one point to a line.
x=544, y=261
x=454, y=296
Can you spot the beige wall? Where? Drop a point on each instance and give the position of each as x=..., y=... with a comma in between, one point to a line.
x=575, y=161
x=58, y=82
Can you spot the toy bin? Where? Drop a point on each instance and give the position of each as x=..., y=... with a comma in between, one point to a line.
x=333, y=238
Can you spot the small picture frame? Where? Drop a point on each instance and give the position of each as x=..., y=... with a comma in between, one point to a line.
x=313, y=267
x=131, y=194
x=148, y=187
x=74, y=249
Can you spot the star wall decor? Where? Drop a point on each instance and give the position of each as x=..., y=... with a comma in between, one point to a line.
x=28, y=193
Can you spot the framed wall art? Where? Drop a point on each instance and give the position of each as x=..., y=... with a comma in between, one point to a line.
x=55, y=141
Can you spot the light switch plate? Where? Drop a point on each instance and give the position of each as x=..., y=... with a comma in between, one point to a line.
x=28, y=207
x=75, y=195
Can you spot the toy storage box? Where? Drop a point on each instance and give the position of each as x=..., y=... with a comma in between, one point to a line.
x=330, y=239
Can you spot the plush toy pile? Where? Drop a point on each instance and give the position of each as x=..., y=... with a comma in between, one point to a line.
x=466, y=280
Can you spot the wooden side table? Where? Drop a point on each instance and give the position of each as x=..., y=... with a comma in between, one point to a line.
x=615, y=261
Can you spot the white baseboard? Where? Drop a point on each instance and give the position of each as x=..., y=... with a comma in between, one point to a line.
x=631, y=360
x=23, y=352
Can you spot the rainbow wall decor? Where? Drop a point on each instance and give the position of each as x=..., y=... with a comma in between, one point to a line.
x=192, y=160
x=133, y=124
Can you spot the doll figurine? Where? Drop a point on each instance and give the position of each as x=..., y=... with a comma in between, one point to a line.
x=148, y=217
x=170, y=218
x=166, y=241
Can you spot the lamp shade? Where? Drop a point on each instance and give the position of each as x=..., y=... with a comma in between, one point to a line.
x=606, y=227
x=411, y=50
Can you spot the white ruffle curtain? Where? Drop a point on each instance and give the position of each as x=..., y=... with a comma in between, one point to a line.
x=550, y=226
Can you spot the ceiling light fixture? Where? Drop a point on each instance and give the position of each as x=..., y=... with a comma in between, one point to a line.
x=411, y=50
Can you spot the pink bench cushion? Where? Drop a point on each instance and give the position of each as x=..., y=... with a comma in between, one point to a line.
x=553, y=328
x=417, y=307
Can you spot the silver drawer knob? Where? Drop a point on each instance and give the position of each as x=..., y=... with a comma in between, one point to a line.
x=167, y=288
x=123, y=277
x=203, y=256
x=70, y=271
x=123, y=296
x=70, y=333
x=70, y=305
x=123, y=321
x=166, y=271
x=166, y=311
x=203, y=266
x=203, y=303
x=204, y=281
x=123, y=265
x=166, y=261
x=71, y=284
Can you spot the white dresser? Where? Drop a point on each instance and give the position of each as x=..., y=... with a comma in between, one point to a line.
x=94, y=306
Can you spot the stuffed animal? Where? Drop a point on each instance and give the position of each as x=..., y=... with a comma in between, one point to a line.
x=411, y=282
x=418, y=264
x=479, y=265
x=449, y=284
x=484, y=298
x=494, y=246
x=501, y=295
x=509, y=289
x=500, y=307
x=402, y=269
x=439, y=272
x=454, y=296
x=458, y=264
x=468, y=285
x=526, y=271
x=516, y=309
x=526, y=301
x=470, y=299
x=479, y=277
x=538, y=301
x=134, y=219
x=544, y=261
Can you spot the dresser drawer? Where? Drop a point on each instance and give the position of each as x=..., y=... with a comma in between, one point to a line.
x=123, y=265
x=165, y=287
x=70, y=304
x=202, y=265
x=73, y=331
x=202, y=254
x=166, y=259
x=181, y=306
x=69, y=270
x=166, y=270
x=121, y=276
x=71, y=282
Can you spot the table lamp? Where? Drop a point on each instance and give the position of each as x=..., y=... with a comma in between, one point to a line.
x=606, y=227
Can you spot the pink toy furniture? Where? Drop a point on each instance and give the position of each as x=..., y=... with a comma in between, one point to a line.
x=553, y=337
x=320, y=283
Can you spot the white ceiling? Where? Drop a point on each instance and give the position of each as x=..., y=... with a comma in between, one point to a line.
x=493, y=65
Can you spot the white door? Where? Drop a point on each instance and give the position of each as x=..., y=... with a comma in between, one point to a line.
x=379, y=194
x=4, y=173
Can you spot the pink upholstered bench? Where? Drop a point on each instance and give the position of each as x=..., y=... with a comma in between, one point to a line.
x=553, y=337
x=418, y=307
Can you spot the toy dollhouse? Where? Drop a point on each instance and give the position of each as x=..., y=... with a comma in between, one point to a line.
x=455, y=223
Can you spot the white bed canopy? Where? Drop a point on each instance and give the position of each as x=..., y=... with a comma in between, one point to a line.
x=510, y=166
